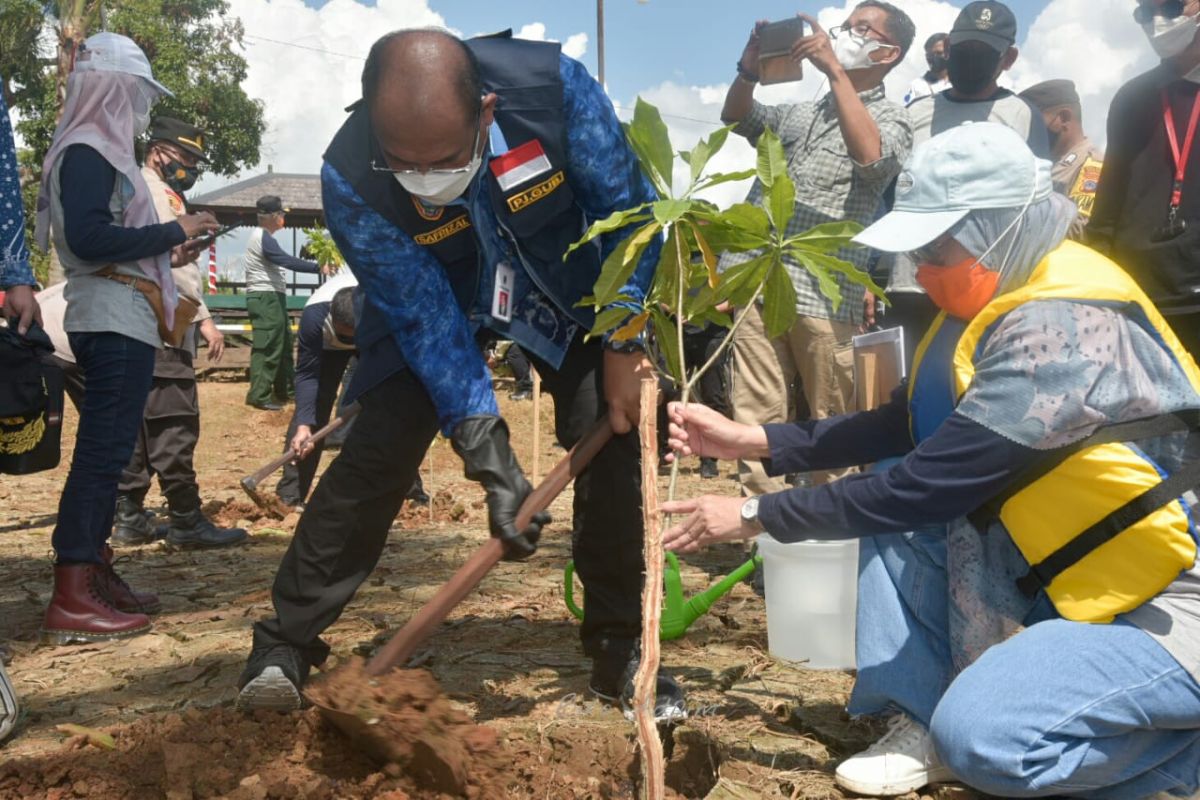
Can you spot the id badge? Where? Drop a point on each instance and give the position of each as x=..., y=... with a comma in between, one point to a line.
x=502, y=292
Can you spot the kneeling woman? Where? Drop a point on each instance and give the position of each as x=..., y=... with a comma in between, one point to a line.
x=1036, y=629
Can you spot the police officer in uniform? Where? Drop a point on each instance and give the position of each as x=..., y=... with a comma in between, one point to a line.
x=171, y=427
x=454, y=190
x=1077, y=162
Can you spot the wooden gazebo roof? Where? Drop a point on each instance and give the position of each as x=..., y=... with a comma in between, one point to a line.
x=234, y=204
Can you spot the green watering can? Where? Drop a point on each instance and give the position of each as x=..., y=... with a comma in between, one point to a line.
x=679, y=614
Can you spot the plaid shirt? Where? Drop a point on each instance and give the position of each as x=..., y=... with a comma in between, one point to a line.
x=830, y=185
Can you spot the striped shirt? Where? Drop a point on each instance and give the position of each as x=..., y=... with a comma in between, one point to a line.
x=830, y=185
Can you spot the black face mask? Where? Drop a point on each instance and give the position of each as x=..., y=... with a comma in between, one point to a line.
x=937, y=62
x=179, y=176
x=972, y=69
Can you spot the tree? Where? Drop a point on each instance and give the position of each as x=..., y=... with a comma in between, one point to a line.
x=193, y=47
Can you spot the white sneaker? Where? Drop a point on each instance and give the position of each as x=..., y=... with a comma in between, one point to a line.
x=900, y=762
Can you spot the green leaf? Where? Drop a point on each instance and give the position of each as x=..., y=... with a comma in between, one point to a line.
x=665, y=287
x=781, y=202
x=771, y=160
x=614, y=274
x=589, y=301
x=608, y=319
x=747, y=216
x=667, y=211
x=650, y=140
x=737, y=229
x=715, y=317
x=717, y=178
x=828, y=237
x=779, y=301
x=638, y=241
x=813, y=261
x=666, y=338
x=615, y=220
x=707, y=254
x=705, y=149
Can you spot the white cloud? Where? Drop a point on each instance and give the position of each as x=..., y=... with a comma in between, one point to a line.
x=1092, y=42
x=304, y=63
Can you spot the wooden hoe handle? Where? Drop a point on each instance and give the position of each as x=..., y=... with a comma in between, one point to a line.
x=468, y=576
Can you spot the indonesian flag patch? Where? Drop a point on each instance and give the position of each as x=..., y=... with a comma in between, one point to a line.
x=520, y=164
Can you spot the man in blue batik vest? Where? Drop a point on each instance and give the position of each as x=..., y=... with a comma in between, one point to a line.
x=453, y=190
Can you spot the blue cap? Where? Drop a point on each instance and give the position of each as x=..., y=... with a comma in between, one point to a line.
x=975, y=165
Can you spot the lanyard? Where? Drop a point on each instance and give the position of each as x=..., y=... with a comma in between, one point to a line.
x=1181, y=157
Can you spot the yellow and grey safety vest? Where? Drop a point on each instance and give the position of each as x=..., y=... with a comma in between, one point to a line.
x=1101, y=526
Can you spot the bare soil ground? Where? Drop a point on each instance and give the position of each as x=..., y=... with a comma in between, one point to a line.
x=508, y=661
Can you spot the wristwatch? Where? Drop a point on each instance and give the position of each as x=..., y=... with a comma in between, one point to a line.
x=750, y=512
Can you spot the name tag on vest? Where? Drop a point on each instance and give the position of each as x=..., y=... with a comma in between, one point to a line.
x=521, y=164
x=502, y=292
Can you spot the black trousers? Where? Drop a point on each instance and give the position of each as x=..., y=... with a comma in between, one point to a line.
x=344, y=527
x=167, y=438
x=518, y=362
x=297, y=478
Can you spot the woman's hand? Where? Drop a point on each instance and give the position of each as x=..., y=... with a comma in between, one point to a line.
x=698, y=430
x=709, y=519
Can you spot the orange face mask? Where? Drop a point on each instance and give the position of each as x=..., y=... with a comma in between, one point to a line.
x=962, y=289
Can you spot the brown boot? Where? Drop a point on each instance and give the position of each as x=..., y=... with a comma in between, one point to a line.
x=124, y=596
x=81, y=611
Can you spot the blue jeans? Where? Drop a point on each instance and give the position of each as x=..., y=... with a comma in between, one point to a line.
x=117, y=373
x=1061, y=708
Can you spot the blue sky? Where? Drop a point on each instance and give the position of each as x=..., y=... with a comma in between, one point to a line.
x=305, y=57
x=648, y=42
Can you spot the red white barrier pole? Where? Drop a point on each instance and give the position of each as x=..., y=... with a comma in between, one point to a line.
x=212, y=268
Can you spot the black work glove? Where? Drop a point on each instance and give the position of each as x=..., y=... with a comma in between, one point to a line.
x=482, y=443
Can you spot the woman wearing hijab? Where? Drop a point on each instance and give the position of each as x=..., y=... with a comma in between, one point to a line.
x=96, y=208
x=1036, y=631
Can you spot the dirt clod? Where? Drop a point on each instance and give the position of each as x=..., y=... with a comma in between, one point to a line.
x=402, y=717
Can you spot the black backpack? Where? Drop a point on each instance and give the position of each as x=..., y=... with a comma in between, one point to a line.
x=31, y=402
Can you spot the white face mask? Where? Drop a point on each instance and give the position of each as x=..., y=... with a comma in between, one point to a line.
x=1170, y=37
x=439, y=188
x=854, y=51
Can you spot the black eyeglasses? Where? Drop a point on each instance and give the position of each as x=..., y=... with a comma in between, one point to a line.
x=1145, y=14
x=930, y=253
x=372, y=147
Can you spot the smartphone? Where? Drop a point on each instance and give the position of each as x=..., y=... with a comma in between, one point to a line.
x=212, y=237
x=775, y=42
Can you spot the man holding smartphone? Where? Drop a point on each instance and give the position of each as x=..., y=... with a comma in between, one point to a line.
x=171, y=424
x=843, y=151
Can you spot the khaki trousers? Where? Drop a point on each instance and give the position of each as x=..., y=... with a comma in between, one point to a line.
x=815, y=351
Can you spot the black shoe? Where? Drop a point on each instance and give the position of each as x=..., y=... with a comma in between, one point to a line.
x=270, y=405
x=131, y=526
x=417, y=496
x=521, y=394
x=616, y=687
x=272, y=679
x=708, y=468
x=193, y=529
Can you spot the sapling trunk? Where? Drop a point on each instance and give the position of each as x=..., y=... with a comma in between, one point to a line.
x=653, y=766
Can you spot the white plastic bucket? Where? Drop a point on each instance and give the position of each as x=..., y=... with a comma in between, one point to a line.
x=811, y=590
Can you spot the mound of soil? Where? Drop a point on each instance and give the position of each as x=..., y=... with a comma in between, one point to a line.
x=209, y=753
x=402, y=718
x=464, y=504
x=229, y=513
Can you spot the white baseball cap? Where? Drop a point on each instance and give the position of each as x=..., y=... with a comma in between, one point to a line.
x=112, y=52
x=973, y=166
